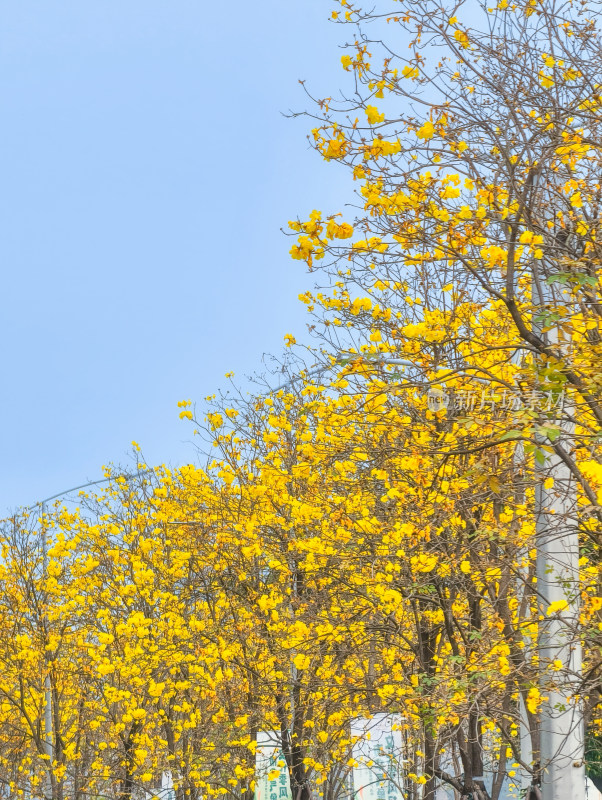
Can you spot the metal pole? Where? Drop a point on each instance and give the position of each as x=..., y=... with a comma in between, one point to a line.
x=48, y=738
x=48, y=735
x=90, y=483
x=562, y=745
x=562, y=730
x=346, y=356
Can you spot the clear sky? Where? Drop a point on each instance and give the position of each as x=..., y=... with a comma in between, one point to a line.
x=145, y=173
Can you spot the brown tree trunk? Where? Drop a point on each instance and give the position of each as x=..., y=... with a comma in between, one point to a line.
x=126, y=784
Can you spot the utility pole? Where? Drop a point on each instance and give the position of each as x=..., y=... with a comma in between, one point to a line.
x=48, y=733
x=48, y=739
x=562, y=735
x=561, y=721
x=47, y=687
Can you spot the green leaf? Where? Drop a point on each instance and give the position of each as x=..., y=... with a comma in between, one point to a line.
x=580, y=278
x=558, y=277
x=586, y=280
x=551, y=433
x=547, y=317
x=510, y=435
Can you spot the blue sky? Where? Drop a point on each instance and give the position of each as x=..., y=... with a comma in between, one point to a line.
x=145, y=172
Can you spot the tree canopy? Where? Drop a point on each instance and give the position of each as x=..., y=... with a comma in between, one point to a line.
x=380, y=532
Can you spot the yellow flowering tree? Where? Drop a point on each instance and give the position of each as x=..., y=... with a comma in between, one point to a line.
x=470, y=266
